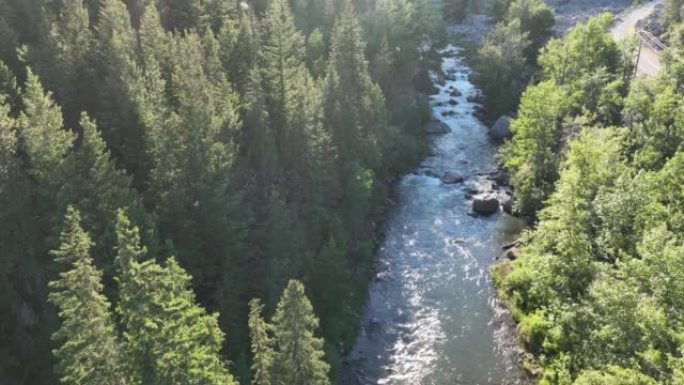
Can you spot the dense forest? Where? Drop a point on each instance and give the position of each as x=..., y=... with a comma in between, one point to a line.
x=175, y=173
x=596, y=160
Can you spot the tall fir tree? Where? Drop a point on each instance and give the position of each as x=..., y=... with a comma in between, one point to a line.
x=74, y=42
x=354, y=105
x=299, y=360
x=114, y=65
x=98, y=189
x=89, y=352
x=168, y=337
x=292, y=99
x=263, y=353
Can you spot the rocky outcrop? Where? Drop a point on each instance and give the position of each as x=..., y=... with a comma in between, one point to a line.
x=501, y=130
x=436, y=127
x=486, y=205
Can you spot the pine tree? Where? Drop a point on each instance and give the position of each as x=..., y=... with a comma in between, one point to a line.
x=239, y=47
x=257, y=142
x=299, y=360
x=263, y=353
x=42, y=136
x=74, y=43
x=282, y=61
x=155, y=43
x=98, y=189
x=354, y=105
x=292, y=101
x=89, y=352
x=169, y=338
x=114, y=65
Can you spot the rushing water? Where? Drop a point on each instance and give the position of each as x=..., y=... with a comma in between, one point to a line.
x=432, y=316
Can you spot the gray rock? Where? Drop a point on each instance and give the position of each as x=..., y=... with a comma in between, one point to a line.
x=511, y=254
x=476, y=98
x=501, y=129
x=453, y=102
x=507, y=205
x=455, y=93
x=452, y=177
x=436, y=127
x=486, y=205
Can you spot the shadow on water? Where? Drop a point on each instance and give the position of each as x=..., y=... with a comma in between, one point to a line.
x=432, y=316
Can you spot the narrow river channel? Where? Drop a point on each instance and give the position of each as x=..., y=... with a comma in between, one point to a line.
x=432, y=316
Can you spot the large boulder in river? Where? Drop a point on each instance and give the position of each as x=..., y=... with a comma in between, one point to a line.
x=436, y=127
x=486, y=205
x=452, y=177
x=501, y=129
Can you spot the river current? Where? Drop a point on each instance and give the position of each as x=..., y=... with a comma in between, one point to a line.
x=432, y=316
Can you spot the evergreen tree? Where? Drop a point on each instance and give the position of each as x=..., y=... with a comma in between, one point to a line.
x=263, y=354
x=354, y=104
x=89, y=352
x=299, y=360
x=114, y=66
x=292, y=99
x=98, y=189
x=239, y=47
x=42, y=136
x=74, y=42
x=169, y=338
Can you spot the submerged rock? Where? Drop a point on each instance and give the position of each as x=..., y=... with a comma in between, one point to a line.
x=486, y=205
x=476, y=98
x=436, y=127
x=452, y=177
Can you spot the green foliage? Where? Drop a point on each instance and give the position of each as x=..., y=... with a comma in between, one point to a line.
x=613, y=376
x=506, y=58
x=263, y=353
x=537, y=19
x=89, y=351
x=299, y=359
x=585, y=50
x=500, y=62
x=673, y=12
x=215, y=126
x=533, y=155
x=596, y=288
x=168, y=338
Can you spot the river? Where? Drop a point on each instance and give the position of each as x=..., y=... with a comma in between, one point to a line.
x=432, y=316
